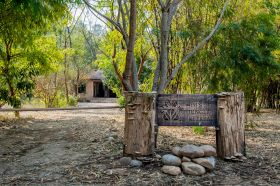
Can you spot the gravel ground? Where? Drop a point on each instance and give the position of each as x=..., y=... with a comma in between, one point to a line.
x=83, y=148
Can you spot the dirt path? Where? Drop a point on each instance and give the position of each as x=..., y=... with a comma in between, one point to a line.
x=83, y=147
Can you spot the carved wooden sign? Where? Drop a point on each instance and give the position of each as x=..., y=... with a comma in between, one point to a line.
x=186, y=110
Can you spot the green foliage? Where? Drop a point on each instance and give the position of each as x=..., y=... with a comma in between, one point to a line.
x=121, y=101
x=245, y=60
x=73, y=101
x=24, y=53
x=199, y=130
x=243, y=55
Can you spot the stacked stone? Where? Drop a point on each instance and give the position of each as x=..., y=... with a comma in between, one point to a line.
x=194, y=160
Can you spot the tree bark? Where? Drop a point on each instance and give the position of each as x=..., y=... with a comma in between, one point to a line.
x=231, y=116
x=139, y=138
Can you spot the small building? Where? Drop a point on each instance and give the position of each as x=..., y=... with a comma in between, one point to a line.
x=93, y=87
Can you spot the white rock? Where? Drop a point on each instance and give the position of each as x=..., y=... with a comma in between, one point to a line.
x=157, y=156
x=186, y=159
x=176, y=151
x=191, y=151
x=207, y=162
x=238, y=155
x=118, y=171
x=136, y=163
x=208, y=150
x=170, y=159
x=110, y=139
x=193, y=169
x=172, y=170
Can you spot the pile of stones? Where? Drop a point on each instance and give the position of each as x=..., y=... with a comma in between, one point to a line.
x=194, y=160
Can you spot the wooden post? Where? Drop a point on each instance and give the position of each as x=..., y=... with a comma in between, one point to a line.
x=231, y=116
x=139, y=138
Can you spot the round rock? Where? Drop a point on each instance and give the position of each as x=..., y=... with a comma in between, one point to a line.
x=172, y=170
x=191, y=151
x=136, y=163
x=176, y=151
x=208, y=150
x=193, y=169
x=125, y=161
x=207, y=162
x=169, y=159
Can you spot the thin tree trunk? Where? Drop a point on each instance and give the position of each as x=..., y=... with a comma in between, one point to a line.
x=141, y=66
x=65, y=72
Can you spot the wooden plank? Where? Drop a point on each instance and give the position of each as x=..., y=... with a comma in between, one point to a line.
x=57, y=109
x=231, y=116
x=186, y=110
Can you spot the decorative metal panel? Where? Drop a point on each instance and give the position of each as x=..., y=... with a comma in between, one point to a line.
x=186, y=110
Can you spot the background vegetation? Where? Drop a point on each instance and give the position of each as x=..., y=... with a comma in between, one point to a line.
x=47, y=48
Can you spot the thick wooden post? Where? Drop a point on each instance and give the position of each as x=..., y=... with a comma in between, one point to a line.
x=231, y=116
x=139, y=138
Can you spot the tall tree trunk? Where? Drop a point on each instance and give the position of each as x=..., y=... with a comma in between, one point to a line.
x=65, y=71
x=164, y=32
x=12, y=94
x=9, y=80
x=130, y=80
x=77, y=82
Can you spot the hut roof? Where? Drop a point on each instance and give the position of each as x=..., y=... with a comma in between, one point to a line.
x=96, y=75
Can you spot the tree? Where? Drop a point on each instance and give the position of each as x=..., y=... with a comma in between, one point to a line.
x=245, y=59
x=168, y=10
x=129, y=77
x=22, y=23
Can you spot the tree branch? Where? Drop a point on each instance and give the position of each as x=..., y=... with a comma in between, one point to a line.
x=173, y=9
x=124, y=25
x=160, y=3
x=116, y=25
x=114, y=63
x=198, y=46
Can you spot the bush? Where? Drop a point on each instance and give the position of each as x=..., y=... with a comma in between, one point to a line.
x=121, y=101
x=73, y=101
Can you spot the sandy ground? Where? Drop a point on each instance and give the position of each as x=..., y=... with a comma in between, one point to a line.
x=83, y=148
